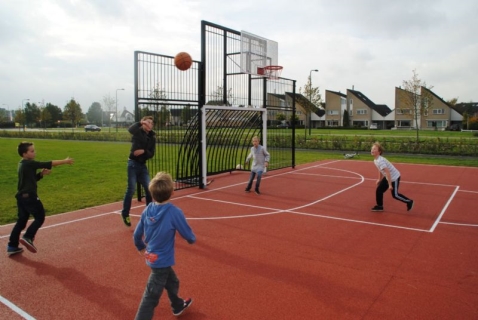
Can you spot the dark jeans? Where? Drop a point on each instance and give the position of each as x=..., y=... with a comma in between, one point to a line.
x=251, y=178
x=383, y=186
x=137, y=172
x=159, y=279
x=28, y=204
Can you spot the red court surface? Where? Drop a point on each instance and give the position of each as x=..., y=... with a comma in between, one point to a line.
x=308, y=247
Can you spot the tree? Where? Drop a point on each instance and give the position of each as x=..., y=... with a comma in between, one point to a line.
x=313, y=95
x=45, y=117
x=186, y=114
x=55, y=113
x=346, y=119
x=220, y=96
x=280, y=117
x=163, y=114
x=109, y=103
x=32, y=113
x=94, y=114
x=415, y=99
x=72, y=112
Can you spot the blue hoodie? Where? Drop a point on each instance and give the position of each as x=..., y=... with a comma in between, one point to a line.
x=156, y=232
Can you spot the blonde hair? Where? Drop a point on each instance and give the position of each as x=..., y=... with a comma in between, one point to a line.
x=256, y=137
x=161, y=187
x=379, y=147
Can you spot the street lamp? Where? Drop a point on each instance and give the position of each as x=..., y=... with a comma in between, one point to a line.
x=24, y=115
x=310, y=99
x=116, y=116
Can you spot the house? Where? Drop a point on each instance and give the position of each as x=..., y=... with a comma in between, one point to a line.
x=363, y=111
x=335, y=106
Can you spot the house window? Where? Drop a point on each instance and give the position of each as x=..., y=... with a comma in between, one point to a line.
x=439, y=123
x=333, y=112
x=404, y=111
x=438, y=111
x=362, y=111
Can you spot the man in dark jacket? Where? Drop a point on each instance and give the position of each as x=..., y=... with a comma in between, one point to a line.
x=142, y=148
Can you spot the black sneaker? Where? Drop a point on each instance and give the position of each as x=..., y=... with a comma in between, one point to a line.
x=14, y=250
x=28, y=243
x=410, y=205
x=248, y=190
x=257, y=191
x=377, y=208
x=186, y=304
x=126, y=221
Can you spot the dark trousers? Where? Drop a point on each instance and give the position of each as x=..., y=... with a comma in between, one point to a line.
x=28, y=204
x=159, y=279
x=383, y=186
x=137, y=172
x=251, y=179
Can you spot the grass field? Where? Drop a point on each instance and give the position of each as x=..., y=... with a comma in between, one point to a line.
x=99, y=173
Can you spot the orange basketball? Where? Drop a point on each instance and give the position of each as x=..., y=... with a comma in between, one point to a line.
x=183, y=61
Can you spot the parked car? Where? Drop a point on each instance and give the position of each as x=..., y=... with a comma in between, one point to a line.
x=373, y=126
x=453, y=127
x=92, y=127
x=283, y=124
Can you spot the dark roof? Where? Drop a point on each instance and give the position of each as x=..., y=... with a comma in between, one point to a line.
x=462, y=107
x=381, y=109
x=433, y=93
x=338, y=93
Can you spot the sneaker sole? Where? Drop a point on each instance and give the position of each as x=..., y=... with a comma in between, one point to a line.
x=411, y=207
x=28, y=246
x=14, y=253
x=182, y=311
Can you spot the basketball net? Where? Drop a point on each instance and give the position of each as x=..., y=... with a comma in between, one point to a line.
x=273, y=72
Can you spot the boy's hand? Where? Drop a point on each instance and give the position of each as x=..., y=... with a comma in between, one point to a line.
x=138, y=152
x=69, y=160
x=141, y=252
x=266, y=164
x=45, y=172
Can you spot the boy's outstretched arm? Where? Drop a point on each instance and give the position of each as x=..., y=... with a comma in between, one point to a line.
x=68, y=160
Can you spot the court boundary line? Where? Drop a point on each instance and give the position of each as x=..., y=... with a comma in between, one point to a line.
x=15, y=308
x=444, y=209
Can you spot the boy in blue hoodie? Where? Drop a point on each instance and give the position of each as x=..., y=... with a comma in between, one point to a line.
x=154, y=238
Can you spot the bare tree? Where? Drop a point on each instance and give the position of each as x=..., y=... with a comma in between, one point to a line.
x=110, y=104
x=415, y=99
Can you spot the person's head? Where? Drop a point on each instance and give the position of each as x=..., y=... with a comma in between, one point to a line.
x=377, y=149
x=26, y=150
x=161, y=187
x=255, y=141
x=147, y=123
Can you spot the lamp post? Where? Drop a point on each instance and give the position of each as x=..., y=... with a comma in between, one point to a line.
x=24, y=115
x=310, y=99
x=116, y=116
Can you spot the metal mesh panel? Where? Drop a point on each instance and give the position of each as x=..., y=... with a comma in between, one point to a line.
x=175, y=97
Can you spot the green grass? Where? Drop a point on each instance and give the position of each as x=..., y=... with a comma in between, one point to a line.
x=99, y=173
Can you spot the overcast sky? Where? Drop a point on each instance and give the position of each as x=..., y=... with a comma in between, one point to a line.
x=53, y=50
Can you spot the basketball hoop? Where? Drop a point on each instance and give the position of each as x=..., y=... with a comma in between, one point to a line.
x=273, y=72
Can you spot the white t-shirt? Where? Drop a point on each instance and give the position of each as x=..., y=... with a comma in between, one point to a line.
x=383, y=163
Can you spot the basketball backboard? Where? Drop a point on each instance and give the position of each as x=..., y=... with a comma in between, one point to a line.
x=257, y=53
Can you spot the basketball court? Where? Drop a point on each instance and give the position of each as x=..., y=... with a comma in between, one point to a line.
x=308, y=247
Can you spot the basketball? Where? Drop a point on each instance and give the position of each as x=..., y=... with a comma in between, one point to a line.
x=239, y=167
x=183, y=61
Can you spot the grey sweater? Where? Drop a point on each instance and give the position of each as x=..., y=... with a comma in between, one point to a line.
x=259, y=156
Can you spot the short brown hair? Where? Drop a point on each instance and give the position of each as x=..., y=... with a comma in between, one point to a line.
x=379, y=147
x=161, y=187
x=148, y=118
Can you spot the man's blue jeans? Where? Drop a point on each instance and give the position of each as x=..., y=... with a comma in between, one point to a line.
x=137, y=172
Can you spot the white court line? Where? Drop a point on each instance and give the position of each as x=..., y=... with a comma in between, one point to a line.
x=16, y=309
x=444, y=209
x=460, y=224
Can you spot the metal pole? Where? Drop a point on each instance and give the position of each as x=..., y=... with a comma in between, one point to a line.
x=116, y=115
x=24, y=115
x=310, y=99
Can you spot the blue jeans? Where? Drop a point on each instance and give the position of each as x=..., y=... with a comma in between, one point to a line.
x=251, y=178
x=159, y=279
x=28, y=204
x=137, y=172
